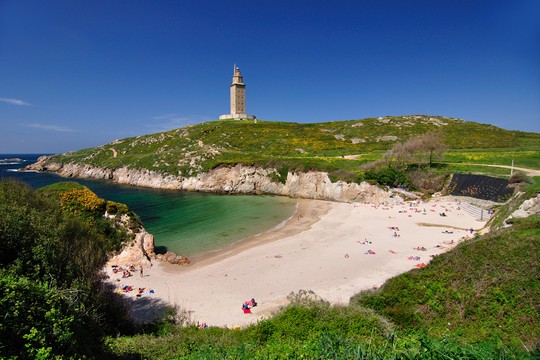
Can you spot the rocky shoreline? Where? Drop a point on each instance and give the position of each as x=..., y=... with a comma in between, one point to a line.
x=239, y=179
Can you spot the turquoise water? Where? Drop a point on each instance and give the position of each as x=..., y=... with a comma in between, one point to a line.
x=192, y=224
x=189, y=224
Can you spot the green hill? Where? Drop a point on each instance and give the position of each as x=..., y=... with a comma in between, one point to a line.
x=319, y=146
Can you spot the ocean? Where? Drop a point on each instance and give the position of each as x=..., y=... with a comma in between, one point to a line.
x=187, y=223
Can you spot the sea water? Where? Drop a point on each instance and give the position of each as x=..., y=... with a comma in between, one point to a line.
x=187, y=223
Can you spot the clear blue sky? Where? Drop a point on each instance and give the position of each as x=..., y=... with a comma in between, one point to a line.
x=77, y=74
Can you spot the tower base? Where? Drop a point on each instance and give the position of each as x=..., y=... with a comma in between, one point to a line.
x=237, y=117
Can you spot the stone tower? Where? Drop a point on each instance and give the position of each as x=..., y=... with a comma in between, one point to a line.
x=238, y=98
x=238, y=93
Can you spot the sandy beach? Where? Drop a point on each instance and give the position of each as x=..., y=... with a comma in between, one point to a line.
x=333, y=249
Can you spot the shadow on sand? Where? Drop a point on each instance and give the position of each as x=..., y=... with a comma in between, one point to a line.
x=145, y=309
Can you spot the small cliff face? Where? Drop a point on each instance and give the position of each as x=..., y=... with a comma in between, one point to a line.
x=236, y=180
x=139, y=252
x=528, y=208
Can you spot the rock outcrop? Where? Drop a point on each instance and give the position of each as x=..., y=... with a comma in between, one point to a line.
x=239, y=179
x=172, y=258
x=139, y=252
x=528, y=207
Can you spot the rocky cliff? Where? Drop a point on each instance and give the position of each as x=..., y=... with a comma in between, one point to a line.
x=235, y=180
x=141, y=252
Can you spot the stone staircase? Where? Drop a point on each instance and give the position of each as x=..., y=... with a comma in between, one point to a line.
x=478, y=212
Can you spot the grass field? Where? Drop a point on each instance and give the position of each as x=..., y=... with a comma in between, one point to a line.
x=320, y=146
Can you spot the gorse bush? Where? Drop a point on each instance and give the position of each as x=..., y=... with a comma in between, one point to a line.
x=77, y=201
x=114, y=208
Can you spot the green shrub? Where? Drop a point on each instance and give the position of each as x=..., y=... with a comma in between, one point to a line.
x=483, y=290
x=387, y=176
x=519, y=177
x=115, y=208
x=281, y=175
x=36, y=321
x=345, y=175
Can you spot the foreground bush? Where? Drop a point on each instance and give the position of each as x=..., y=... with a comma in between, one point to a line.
x=52, y=298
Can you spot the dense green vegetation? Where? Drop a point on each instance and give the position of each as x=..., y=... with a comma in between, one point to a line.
x=52, y=298
x=320, y=146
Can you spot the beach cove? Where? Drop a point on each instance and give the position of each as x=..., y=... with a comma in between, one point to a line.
x=333, y=249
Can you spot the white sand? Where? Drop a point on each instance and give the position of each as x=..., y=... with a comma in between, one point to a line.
x=319, y=249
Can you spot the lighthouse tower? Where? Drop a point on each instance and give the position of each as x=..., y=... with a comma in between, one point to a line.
x=238, y=98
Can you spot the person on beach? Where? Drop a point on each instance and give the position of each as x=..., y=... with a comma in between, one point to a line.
x=141, y=271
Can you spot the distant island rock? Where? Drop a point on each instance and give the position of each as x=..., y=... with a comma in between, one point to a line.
x=11, y=161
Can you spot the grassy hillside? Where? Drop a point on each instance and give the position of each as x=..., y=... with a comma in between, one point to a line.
x=198, y=148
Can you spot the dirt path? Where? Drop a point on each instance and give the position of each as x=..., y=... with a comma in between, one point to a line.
x=530, y=172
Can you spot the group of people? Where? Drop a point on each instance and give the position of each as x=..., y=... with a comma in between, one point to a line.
x=395, y=230
x=144, y=291
x=127, y=272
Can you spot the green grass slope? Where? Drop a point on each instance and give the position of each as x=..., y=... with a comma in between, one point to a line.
x=319, y=146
